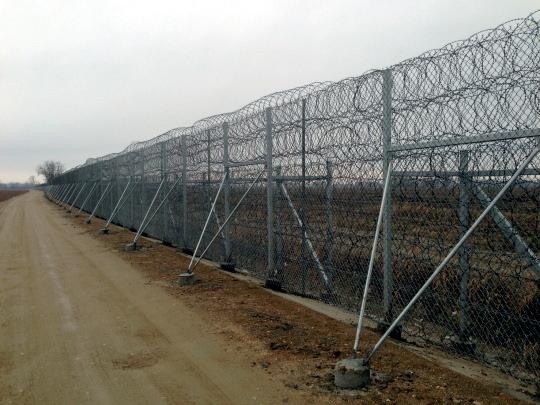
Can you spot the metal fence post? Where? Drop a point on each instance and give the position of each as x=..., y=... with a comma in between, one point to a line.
x=143, y=184
x=54, y=190
x=208, y=156
x=71, y=193
x=165, y=208
x=464, y=220
x=133, y=245
x=87, y=198
x=226, y=193
x=77, y=196
x=184, y=193
x=117, y=208
x=101, y=176
x=98, y=203
x=61, y=190
x=132, y=172
x=279, y=251
x=67, y=193
x=207, y=184
x=454, y=250
x=330, y=219
x=303, y=262
x=269, y=194
x=387, y=215
x=207, y=200
x=114, y=191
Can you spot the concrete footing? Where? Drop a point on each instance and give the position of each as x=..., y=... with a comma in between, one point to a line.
x=130, y=247
x=352, y=374
x=186, y=279
x=104, y=231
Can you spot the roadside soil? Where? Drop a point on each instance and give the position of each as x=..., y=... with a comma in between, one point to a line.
x=289, y=342
x=83, y=321
x=79, y=324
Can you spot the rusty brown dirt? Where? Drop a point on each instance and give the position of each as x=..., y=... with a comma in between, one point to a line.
x=150, y=327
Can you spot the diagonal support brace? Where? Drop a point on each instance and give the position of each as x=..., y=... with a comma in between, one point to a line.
x=309, y=245
x=507, y=229
x=98, y=203
x=68, y=190
x=116, y=208
x=77, y=197
x=206, y=224
x=372, y=258
x=160, y=205
x=140, y=231
x=87, y=197
x=453, y=251
x=190, y=269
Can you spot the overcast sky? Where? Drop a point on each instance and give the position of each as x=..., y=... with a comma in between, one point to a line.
x=81, y=79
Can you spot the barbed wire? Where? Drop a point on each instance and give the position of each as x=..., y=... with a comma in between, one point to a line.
x=460, y=121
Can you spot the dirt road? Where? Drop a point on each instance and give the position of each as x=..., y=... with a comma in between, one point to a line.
x=79, y=325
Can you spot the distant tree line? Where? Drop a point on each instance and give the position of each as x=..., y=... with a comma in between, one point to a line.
x=16, y=186
x=49, y=169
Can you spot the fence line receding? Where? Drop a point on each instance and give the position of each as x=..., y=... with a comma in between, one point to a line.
x=454, y=124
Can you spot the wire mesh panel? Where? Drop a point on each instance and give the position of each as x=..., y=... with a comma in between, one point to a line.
x=452, y=126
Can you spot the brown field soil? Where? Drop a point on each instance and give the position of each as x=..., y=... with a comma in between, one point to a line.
x=7, y=194
x=287, y=341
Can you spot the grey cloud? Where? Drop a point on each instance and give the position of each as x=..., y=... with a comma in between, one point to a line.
x=82, y=79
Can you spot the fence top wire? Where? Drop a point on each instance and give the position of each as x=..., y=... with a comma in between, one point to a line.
x=490, y=68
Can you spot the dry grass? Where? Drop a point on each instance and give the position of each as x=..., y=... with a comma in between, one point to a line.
x=7, y=194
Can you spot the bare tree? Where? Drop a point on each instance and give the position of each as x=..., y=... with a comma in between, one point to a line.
x=50, y=169
x=32, y=180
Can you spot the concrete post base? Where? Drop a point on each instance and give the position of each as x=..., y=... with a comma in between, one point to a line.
x=352, y=374
x=186, y=279
x=104, y=231
x=130, y=247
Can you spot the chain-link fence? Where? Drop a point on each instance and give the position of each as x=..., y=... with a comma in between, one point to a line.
x=455, y=123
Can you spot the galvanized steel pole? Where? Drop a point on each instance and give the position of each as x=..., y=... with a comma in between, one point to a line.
x=387, y=215
x=452, y=252
x=269, y=194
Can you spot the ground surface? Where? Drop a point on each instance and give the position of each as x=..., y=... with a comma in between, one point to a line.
x=83, y=321
x=81, y=325
x=7, y=194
